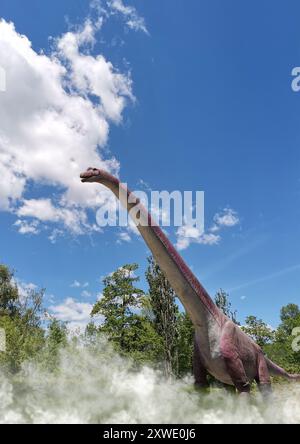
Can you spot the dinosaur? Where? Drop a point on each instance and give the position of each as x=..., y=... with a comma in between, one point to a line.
x=221, y=348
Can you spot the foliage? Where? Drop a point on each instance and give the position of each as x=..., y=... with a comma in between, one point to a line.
x=21, y=318
x=148, y=328
x=131, y=333
x=223, y=303
x=165, y=312
x=9, y=294
x=185, y=344
x=56, y=341
x=281, y=350
x=258, y=330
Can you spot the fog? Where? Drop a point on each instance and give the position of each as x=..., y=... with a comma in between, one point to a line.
x=97, y=386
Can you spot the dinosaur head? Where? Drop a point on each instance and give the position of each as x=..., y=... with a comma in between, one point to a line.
x=97, y=175
x=91, y=175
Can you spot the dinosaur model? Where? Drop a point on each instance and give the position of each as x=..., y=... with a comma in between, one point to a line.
x=221, y=348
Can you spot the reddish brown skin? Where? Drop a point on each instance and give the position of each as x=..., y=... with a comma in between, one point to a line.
x=221, y=348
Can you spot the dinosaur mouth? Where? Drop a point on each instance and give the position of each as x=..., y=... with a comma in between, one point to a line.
x=90, y=175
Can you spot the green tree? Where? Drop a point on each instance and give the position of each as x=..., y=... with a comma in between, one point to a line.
x=223, y=303
x=56, y=340
x=124, y=324
x=165, y=312
x=91, y=333
x=21, y=318
x=258, y=330
x=281, y=351
x=185, y=344
x=290, y=318
x=9, y=294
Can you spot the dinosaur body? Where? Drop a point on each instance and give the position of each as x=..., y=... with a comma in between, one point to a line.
x=221, y=348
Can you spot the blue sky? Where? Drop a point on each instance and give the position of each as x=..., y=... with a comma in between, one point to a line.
x=213, y=110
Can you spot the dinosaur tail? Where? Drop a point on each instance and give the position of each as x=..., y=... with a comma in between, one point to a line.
x=295, y=378
x=275, y=370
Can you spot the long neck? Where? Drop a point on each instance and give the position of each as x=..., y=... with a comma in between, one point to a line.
x=191, y=293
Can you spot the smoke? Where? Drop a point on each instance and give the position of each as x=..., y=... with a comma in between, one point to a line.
x=97, y=386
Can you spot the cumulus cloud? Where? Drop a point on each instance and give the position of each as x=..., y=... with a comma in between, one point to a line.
x=25, y=227
x=76, y=314
x=227, y=218
x=187, y=234
x=55, y=118
x=74, y=219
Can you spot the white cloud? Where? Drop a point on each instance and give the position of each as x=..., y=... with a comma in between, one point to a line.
x=74, y=219
x=41, y=209
x=77, y=284
x=86, y=294
x=55, y=117
x=76, y=314
x=25, y=227
x=54, y=235
x=227, y=218
x=25, y=289
x=123, y=236
x=209, y=239
x=187, y=234
x=132, y=18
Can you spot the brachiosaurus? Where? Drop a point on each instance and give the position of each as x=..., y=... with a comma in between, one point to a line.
x=221, y=348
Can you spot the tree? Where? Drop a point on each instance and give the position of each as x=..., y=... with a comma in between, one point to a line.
x=21, y=318
x=290, y=318
x=56, y=340
x=165, y=312
x=9, y=293
x=223, y=303
x=281, y=351
x=258, y=330
x=185, y=344
x=124, y=324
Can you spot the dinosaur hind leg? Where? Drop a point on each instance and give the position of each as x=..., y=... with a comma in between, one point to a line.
x=234, y=365
x=200, y=372
x=263, y=379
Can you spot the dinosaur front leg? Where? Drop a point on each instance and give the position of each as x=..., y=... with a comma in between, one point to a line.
x=234, y=364
x=263, y=379
x=200, y=372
